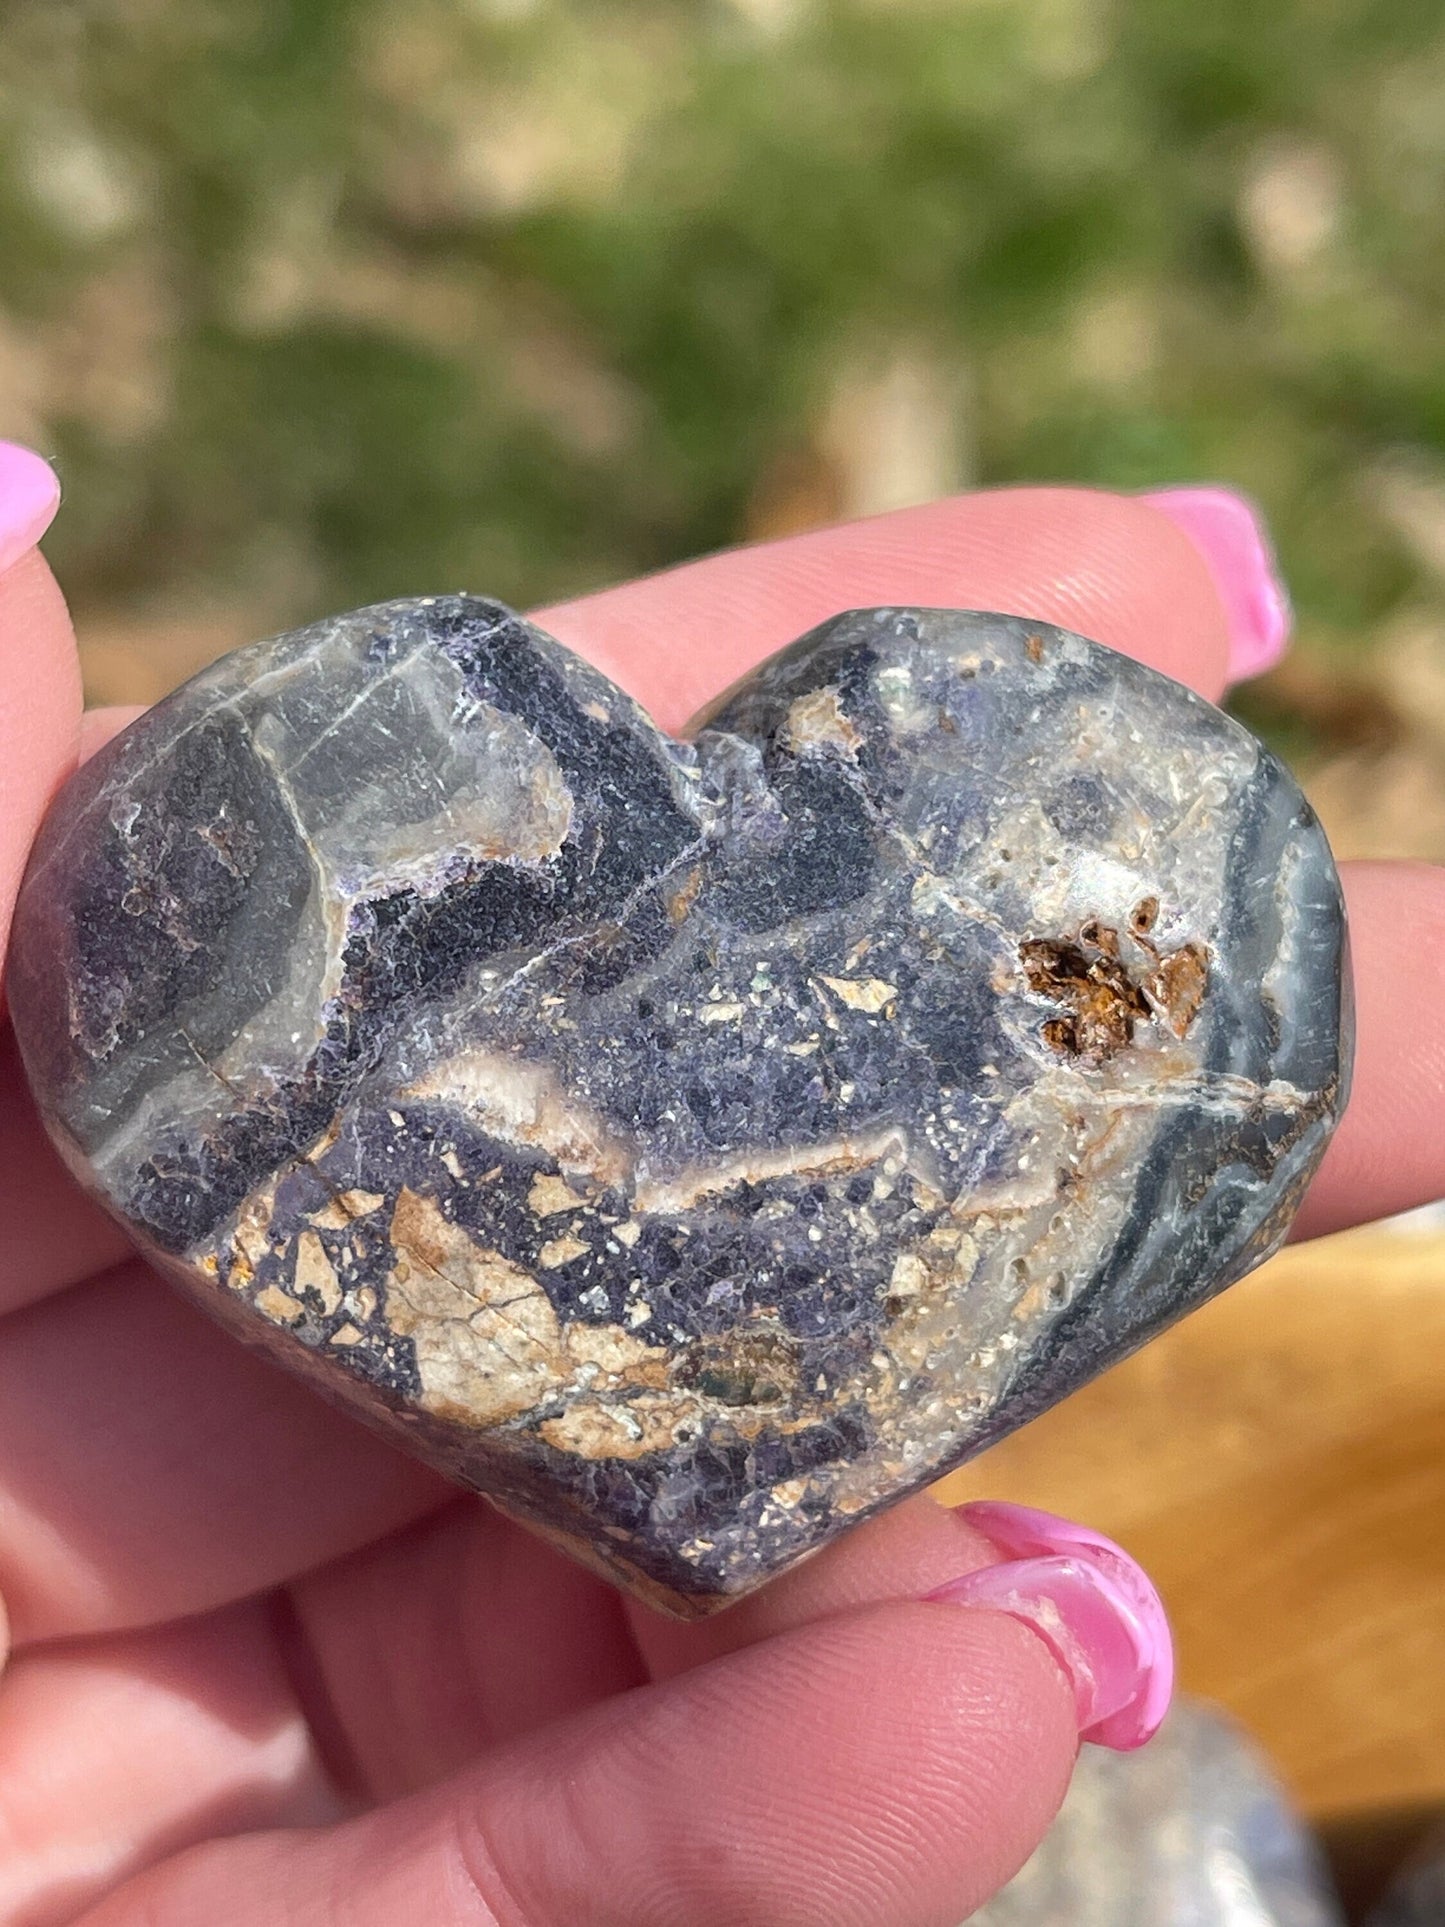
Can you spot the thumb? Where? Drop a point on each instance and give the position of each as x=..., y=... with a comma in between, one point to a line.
x=894, y=1764
x=891, y=1761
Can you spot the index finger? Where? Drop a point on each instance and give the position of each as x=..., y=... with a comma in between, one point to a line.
x=48, y=1235
x=39, y=711
x=1115, y=568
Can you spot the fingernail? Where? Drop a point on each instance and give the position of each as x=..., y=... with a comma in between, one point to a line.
x=1230, y=535
x=1093, y=1607
x=29, y=497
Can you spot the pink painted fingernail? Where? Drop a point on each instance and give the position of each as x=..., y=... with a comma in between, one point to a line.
x=29, y=497
x=1230, y=535
x=1093, y=1607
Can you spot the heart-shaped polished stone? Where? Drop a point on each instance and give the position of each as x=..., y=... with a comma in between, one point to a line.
x=693, y=1147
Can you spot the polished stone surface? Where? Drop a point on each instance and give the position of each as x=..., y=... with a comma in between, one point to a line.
x=1194, y=1831
x=693, y=1147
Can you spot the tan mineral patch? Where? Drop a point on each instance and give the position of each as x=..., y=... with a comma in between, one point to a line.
x=315, y=1272
x=561, y=1251
x=490, y=1347
x=487, y=1340
x=617, y=1354
x=345, y=1208
x=648, y=1423
x=869, y=994
x=953, y=1238
x=278, y=1305
x=681, y=900
x=817, y=722
x=910, y=1275
x=523, y=1104
x=675, y=1195
x=549, y=1195
x=1177, y=987
x=251, y=1240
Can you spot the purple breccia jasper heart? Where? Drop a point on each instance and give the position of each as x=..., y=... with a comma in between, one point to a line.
x=693, y=1147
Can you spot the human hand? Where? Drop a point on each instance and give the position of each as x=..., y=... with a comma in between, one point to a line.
x=265, y=1670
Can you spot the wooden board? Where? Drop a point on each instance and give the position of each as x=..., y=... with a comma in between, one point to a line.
x=1277, y=1462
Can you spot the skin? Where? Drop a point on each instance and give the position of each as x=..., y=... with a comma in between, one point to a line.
x=263, y=1672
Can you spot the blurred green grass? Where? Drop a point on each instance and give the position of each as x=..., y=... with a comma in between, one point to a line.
x=337, y=299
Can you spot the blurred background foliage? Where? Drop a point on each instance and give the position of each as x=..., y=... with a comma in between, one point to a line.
x=318, y=301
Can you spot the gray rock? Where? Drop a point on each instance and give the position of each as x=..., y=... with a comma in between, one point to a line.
x=694, y=1147
x=1194, y=1831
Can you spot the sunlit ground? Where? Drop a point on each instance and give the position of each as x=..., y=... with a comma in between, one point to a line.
x=316, y=304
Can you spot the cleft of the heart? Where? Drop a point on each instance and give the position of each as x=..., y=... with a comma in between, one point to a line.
x=693, y=1147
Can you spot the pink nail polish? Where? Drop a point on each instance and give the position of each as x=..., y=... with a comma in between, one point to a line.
x=1093, y=1607
x=29, y=497
x=1230, y=535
